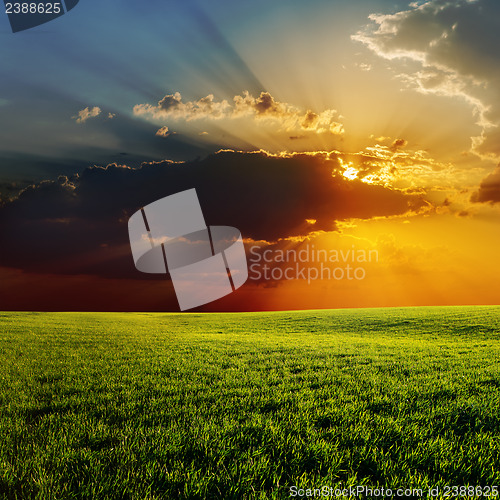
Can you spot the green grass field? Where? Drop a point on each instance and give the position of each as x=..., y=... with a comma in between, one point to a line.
x=138, y=405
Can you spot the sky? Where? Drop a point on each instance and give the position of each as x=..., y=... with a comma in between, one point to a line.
x=368, y=130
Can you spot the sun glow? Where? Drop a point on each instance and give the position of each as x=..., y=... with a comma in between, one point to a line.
x=350, y=173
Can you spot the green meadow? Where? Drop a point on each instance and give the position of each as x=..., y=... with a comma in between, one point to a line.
x=247, y=405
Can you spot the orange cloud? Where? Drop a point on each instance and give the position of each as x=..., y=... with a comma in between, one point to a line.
x=87, y=113
x=163, y=132
x=489, y=189
x=264, y=107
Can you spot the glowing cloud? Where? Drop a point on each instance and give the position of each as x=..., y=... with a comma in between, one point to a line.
x=442, y=37
x=264, y=107
x=87, y=113
x=163, y=132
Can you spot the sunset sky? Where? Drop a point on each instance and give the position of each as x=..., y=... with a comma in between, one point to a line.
x=339, y=125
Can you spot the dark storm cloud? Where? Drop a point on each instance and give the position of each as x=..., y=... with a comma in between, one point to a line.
x=79, y=225
x=398, y=143
x=489, y=189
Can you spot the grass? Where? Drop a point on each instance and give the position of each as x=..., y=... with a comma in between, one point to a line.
x=135, y=406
